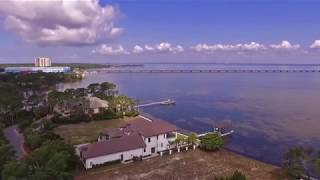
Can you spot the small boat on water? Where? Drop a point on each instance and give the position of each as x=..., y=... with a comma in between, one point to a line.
x=168, y=102
x=223, y=130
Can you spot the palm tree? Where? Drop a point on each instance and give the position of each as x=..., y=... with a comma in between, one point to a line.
x=192, y=139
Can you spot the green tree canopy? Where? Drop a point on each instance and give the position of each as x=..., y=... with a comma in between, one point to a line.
x=15, y=170
x=211, y=142
x=192, y=139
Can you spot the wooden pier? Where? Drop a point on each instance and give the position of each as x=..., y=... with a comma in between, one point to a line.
x=221, y=134
x=166, y=102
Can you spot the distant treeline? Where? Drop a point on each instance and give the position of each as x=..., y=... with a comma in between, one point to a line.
x=72, y=65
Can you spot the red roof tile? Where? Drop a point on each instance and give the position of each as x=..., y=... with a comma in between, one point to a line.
x=112, y=146
x=148, y=128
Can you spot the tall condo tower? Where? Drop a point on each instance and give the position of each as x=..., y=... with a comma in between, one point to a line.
x=42, y=62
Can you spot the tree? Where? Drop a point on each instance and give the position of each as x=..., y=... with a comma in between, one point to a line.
x=192, y=139
x=179, y=140
x=108, y=89
x=211, y=142
x=94, y=87
x=53, y=160
x=122, y=104
x=6, y=151
x=15, y=170
x=10, y=102
x=294, y=163
x=317, y=164
x=33, y=139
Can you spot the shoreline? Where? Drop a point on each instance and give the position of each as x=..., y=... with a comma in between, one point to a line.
x=186, y=132
x=251, y=157
x=191, y=164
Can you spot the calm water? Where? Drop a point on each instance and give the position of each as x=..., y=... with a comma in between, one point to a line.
x=270, y=112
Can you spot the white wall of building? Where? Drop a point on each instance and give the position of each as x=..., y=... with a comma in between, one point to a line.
x=127, y=155
x=160, y=143
x=150, y=145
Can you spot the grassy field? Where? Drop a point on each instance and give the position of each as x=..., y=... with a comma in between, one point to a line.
x=186, y=165
x=86, y=132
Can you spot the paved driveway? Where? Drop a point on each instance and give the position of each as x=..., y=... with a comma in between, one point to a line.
x=16, y=139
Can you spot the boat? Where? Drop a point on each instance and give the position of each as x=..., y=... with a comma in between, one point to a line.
x=168, y=102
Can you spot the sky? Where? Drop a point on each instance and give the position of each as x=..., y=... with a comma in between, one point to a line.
x=160, y=31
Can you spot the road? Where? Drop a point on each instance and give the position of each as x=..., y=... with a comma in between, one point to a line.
x=16, y=139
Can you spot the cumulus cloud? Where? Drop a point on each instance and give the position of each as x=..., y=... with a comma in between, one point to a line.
x=137, y=49
x=253, y=46
x=164, y=47
x=110, y=51
x=61, y=22
x=285, y=45
x=315, y=44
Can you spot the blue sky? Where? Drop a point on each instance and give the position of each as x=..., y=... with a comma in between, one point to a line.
x=182, y=23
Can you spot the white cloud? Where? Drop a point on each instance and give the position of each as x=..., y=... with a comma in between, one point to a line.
x=163, y=47
x=315, y=44
x=168, y=48
x=110, y=51
x=253, y=46
x=137, y=49
x=148, y=48
x=61, y=22
x=285, y=45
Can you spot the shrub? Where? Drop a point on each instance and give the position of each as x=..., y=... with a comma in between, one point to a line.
x=211, y=142
x=237, y=175
x=293, y=163
x=107, y=114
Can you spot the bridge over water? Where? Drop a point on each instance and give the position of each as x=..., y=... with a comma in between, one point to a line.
x=206, y=71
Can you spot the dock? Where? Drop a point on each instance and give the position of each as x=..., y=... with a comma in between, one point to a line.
x=221, y=134
x=165, y=102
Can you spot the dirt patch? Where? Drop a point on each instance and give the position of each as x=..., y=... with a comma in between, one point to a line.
x=186, y=165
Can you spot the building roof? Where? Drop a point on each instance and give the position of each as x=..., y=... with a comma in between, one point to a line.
x=143, y=126
x=112, y=146
x=96, y=103
x=147, y=127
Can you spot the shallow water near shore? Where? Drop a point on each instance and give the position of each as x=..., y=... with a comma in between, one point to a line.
x=270, y=112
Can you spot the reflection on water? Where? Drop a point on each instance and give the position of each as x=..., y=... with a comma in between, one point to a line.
x=269, y=111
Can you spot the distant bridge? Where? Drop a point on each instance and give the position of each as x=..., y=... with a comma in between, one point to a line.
x=205, y=71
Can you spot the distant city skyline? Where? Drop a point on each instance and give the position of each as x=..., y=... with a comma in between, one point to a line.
x=160, y=31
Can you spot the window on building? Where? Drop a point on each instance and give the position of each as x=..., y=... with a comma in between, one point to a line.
x=144, y=150
x=161, y=144
x=149, y=139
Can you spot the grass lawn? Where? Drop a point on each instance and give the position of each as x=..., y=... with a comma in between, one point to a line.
x=86, y=132
x=186, y=165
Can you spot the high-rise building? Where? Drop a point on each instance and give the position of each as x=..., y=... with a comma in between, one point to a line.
x=42, y=62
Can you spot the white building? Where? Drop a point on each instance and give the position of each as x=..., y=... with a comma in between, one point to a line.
x=42, y=62
x=37, y=69
x=140, y=138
